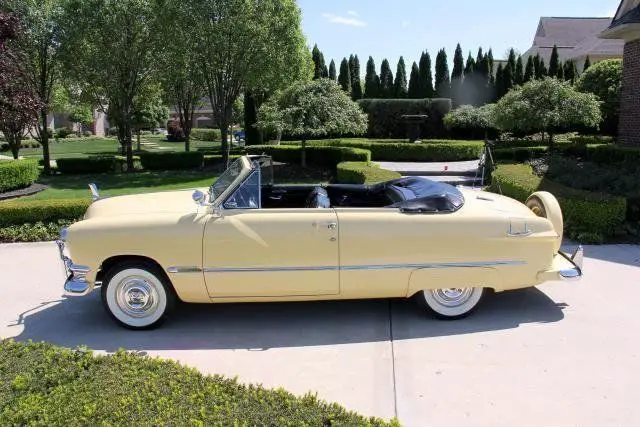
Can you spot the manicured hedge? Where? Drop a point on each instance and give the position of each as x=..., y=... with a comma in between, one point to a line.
x=430, y=152
x=519, y=154
x=602, y=153
x=15, y=174
x=587, y=216
x=316, y=155
x=216, y=159
x=385, y=116
x=363, y=173
x=41, y=384
x=14, y=212
x=172, y=161
x=120, y=163
x=92, y=164
x=206, y=134
x=38, y=232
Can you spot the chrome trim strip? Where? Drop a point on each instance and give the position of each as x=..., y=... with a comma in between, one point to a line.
x=361, y=267
x=183, y=269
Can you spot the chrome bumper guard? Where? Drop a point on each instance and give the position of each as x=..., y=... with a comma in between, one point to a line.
x=76, y=284
x=576, y=259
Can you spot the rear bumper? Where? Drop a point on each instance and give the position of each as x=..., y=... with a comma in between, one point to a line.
x=564, y=267
x=76, y=283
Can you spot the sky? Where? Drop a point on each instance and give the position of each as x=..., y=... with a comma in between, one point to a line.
x=391, y=28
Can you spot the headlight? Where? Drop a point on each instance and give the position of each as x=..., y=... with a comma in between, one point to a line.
x=63, y=233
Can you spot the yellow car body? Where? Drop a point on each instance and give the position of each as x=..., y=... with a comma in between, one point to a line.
x=209, y=252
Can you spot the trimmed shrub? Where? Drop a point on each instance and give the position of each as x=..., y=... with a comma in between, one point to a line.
x=38, y=232
x=14, y=212
x=4, y=147
x=62, y=133
x=429, y=152
x=216, y=159
x=363, y=173
x=38, y=381
x=591, y=139
x=206, y=134
x=588, y=216
x=15, y=174
x=602, y=153
x=172, y=161
x=120, y=163
x=519, y=154
x=317, y=155
x=385, y=116
x=87, y=134
x=92, y=165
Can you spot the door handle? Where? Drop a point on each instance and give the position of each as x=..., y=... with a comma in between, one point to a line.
x=332, y=225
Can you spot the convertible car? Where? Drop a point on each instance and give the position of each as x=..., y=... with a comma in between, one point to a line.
x=242, y=240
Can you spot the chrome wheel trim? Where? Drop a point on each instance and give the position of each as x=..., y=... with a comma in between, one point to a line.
x=452, y=302
x=136, y=297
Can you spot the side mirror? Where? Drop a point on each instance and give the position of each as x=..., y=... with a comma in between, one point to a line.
x=198, y=197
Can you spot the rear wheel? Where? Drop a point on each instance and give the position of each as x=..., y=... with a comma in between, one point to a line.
x=137, y=295
x=451, y=303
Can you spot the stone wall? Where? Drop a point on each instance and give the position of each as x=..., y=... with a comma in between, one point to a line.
x=629, y=132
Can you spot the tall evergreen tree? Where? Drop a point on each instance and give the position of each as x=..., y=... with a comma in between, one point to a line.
x=332, y=70
x=414, y=82
x=457, y=74
x=469, y=91
x=400, y=84
x=554, y=62
x=443, y=81
x=325, y=71
x=560, y=72
x=356, y=86
x=344, y=78
x=371, y=80
x=537, y=73
x=318, y=63
x=479, y=58
x=519, y=76
x=529, y=72
x=499, y=85
x=509, y=71
x=425, y=78
x=543, y=69
x=587, y=64
x=570, y=71
x=386, y=80
x=491, y=80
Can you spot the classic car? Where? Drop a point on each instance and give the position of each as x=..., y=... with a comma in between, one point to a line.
x=245, y=240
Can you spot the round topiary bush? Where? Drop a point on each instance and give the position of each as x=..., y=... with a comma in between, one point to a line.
x=16, y=174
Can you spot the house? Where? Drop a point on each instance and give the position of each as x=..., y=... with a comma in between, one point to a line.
x=576, y=39
x=625, y=28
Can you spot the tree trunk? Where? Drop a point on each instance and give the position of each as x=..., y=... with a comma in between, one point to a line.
x=14, y=142
x=138, y=136
x=187, y=146
x=44, y=141
x=303, y=153
x=224, y=137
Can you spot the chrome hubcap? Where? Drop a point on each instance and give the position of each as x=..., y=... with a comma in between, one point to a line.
x=137, y=297
x=452, y=297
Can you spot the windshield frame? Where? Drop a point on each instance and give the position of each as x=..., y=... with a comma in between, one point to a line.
x=246, y=167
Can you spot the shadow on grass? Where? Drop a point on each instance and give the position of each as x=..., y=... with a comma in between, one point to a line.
x=260, y=326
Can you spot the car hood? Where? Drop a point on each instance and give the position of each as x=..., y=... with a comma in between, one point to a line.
x=179, y=202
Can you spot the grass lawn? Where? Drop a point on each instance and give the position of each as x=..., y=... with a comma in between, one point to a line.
x=84, y=147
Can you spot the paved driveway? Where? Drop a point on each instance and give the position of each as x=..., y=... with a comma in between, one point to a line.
x=561, y=355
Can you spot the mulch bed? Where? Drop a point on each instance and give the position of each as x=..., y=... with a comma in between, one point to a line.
x=28, y=191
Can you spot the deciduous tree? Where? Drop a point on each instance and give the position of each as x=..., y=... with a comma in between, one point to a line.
x=604, y=79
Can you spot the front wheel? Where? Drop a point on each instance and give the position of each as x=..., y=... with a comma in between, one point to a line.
x=137, y=295
x=451, y=303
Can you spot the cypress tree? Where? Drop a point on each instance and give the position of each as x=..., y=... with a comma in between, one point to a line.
x=425, y=78
x=529, y=72
x=509, y=72
x=537, y=74
x=479, y=58
x=325, y=71
x=500, y=86
x=570, y=71
x=443, y=81
x=457, y=76
x=371, y=80
x=469, y=93
x=400, y=84
x=414, y=82
x=344, y=78
x=386, y=80
x=543, y=69
x=554, y=62
x=560, y=72
x=352, y=66
x=587, y=64
x=318, y=63
x=356, y=86
x=483, y=77
x=332, y=70
x=519, y=76
x=491, y=79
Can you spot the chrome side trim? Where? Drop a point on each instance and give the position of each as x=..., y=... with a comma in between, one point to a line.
x=362, y=267
x=184, y=269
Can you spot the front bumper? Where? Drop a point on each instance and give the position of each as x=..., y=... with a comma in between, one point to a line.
x=564, y=267
x=76, y=283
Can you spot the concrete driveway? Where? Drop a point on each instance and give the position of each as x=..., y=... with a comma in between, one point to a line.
x=564, y=354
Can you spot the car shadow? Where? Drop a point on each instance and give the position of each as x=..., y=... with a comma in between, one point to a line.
x=259, y=326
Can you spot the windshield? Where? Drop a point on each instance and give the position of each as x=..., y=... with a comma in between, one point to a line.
x=226, y=179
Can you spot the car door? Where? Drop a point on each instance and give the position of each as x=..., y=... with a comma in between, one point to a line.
x=253, y=252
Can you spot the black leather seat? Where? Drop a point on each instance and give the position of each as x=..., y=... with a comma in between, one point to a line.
x=318, y=198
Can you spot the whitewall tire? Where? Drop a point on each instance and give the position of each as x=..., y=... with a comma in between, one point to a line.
x=136, y=295
x=451, y=303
